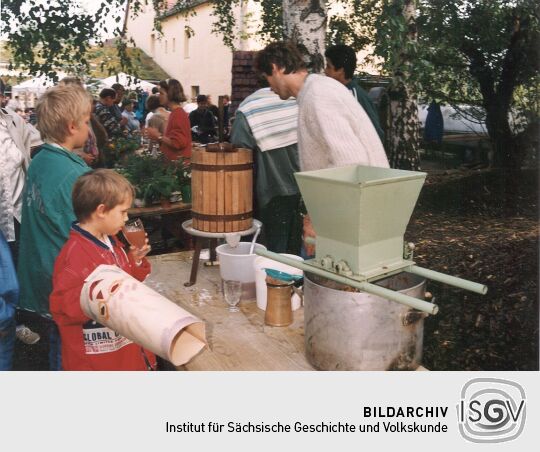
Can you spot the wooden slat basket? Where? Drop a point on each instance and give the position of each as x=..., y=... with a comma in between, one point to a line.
x=222, y=190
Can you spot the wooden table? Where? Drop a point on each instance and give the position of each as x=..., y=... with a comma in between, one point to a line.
x=237, y=341
x=167, y=218
x=158, y=210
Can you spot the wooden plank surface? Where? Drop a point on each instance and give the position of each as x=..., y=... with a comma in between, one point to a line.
x=158, y=210
x=237, y=341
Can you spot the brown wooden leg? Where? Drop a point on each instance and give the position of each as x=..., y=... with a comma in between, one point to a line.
x=195, y=263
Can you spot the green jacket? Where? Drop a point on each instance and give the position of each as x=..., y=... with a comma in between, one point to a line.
x=275, y=168
x=365, y=102
x=47, y=214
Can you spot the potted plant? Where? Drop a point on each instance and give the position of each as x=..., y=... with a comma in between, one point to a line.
x=160, y=189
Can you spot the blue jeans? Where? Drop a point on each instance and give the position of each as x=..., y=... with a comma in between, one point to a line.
x=55, y=347
x=7, y=345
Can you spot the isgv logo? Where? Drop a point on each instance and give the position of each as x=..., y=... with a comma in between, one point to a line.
x=491, y=410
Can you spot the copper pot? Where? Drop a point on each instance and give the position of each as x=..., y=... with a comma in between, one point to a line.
x=278, y=307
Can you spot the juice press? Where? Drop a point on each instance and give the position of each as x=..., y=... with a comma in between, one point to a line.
x=360, y=215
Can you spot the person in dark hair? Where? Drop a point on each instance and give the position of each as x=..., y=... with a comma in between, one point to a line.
x=152, y=102
x=340, y=65
x=119, y=88
x=107, y=93
x=104, y=115
x=173, y=90
x=284, y=55
x=155, y=90
x=212, y=107
x=333, y=130
x=176, y=141
x=115, y=107
x=153, y=106
x=120, y=91
x=203, y=122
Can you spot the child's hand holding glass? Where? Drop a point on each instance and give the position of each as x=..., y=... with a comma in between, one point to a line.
x=137, y=238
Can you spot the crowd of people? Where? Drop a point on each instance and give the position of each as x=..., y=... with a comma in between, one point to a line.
x=60, y=217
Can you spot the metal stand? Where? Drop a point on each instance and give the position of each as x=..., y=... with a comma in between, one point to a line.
x=199, y=236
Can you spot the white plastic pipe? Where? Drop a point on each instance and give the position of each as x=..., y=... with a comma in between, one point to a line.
x=373, y=289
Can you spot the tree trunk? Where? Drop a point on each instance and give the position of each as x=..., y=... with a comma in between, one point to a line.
x=304, y=22
x=402, y=141
x=506, y=154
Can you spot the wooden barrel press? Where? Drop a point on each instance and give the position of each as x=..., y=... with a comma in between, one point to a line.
x=222, y=190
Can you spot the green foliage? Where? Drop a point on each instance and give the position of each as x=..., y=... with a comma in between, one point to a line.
x=225, y=24
x=161, y=187
x=271, y=15
x=354, y=26
x=117, y=148
x=46, y=35
x=155, y=179
x=490, y=57
x=479, y=39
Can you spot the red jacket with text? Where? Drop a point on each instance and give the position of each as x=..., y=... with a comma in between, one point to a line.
x=86, y=344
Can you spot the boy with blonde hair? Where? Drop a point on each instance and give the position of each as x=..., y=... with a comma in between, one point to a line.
x=63, y=113
x=101, y=199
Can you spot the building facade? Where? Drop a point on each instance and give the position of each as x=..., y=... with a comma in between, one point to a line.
x=187, y=49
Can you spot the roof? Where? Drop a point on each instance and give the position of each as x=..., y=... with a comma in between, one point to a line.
x=174, y=7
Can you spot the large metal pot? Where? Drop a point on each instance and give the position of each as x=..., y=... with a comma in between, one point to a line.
x=357, y=331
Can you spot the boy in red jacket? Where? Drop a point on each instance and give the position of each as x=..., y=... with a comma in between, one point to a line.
x=101, y=199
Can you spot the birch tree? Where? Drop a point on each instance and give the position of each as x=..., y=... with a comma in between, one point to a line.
x=403, y=136
x=304, y=22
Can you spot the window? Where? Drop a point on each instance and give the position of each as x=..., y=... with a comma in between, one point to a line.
x=187, y=37
x=195, y=91
x=166, y=46
x=152, y=44
x=173, y=45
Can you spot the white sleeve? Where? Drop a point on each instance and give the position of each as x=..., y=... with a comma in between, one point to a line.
x=345, y=128
x=335, y=123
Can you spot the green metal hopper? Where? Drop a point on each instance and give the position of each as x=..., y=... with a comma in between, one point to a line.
x=360, y=214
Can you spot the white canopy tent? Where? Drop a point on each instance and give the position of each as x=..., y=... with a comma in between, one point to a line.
x=36, y=85
x=30, y=90
x=129, y=82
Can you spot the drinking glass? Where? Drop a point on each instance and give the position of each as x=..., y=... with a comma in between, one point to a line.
x=232, y=290
x=134, y=233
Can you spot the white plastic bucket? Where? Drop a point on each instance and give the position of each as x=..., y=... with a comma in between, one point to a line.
x=260, y=278
x=237, y=264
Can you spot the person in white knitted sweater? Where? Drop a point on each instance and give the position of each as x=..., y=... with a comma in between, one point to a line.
x=333, y=129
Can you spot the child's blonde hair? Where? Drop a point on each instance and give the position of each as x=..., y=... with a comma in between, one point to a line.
x=100, y=186
x=59, y=106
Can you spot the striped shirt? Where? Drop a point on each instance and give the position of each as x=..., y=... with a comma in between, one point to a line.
x=273, y=122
